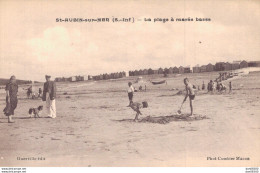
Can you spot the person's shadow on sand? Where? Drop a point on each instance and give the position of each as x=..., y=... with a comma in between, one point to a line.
x=166, y=119
x=21, y=118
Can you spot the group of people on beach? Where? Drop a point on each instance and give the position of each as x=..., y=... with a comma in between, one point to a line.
x=189, y=89
x=217, y=86
x=48, y=95
x=190, y=93
x=31, y=94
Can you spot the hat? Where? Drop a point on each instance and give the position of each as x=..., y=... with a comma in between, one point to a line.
x=12, y=77
x=47, y=76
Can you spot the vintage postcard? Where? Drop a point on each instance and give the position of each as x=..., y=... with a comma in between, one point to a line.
x=130, y=83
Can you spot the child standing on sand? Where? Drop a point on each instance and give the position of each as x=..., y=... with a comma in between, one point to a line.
x=130, y=92
x=189, y=92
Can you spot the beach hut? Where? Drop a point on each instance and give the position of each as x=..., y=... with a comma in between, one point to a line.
x=170, y=70
x=85, y=77
x=140, y=72
x=80, y=78
x=196, y=69
x=160, y=71
x=155, y=72
x=58, y=79
x=73, y=79
x=166, y=71
x=203, y=68
x=175, y=70
x=181, y=69
x=220, y=66
x=210, y=67
x=116, y=75
x=243, y=64
x=100, y=77
x=113, y=75
x=104, y=77
x=235, y=65
x=150, y=71
x=124, y=74
x=120, y=74
x=107, y=76
x=65, y=79
x=187, y=69
x=227, y=66
x=77, y=78
x=136, y=73
x=145, y=72
x=254, y=64
x=90, y=77
x=131, y=73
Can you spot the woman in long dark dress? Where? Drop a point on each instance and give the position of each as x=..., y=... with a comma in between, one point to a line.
x=11, y=98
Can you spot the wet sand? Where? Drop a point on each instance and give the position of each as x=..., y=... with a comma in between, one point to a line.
x=95, y=128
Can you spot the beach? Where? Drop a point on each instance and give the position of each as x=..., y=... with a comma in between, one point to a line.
x=94, y=127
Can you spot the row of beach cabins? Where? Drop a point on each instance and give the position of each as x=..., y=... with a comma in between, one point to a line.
x=219, y=66
x=89, y=77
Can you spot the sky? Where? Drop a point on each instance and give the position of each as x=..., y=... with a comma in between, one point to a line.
x=33, y=44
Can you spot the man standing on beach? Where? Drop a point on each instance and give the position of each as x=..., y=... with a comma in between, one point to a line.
x=49, y=95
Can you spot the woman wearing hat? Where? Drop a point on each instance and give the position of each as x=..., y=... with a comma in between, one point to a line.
x=11, y=98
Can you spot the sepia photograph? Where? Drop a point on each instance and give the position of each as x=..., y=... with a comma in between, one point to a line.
x=130, y=83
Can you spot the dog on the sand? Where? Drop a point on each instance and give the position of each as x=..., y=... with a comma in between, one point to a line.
x=35, y=112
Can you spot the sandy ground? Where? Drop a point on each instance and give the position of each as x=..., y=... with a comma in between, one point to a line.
x=95, y=128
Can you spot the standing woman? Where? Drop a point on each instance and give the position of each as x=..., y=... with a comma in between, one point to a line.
x=11, y=98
